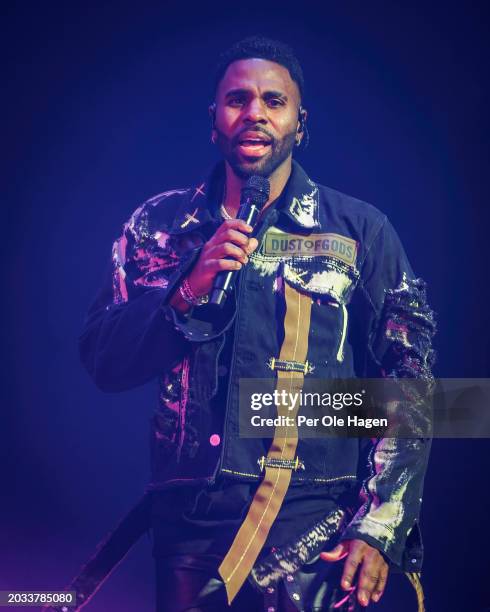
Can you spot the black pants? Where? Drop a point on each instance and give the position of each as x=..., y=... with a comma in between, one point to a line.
x=191, y=583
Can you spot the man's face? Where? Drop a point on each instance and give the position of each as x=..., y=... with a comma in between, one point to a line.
x=256, y=116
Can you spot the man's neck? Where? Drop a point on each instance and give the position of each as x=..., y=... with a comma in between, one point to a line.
x=234, y=184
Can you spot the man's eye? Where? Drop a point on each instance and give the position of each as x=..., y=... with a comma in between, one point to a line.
x=236, y=101
x=275, y=102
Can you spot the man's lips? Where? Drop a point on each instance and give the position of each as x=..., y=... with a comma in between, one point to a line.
x=253, y=144
x=253, y=150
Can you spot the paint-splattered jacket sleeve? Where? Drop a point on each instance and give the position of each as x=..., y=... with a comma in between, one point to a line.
x=131, y=334
x=400, y=328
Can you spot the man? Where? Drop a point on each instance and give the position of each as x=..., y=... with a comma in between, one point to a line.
x=252, y=523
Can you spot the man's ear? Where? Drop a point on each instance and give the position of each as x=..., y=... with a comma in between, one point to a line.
x=212, y=114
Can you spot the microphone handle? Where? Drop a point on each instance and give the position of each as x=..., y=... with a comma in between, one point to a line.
x=249, y=214
x=223, y=282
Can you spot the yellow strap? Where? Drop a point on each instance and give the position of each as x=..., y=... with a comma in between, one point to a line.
x=417, y=585
x=268, y=498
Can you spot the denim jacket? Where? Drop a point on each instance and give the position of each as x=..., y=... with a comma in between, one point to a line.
x=369, y=317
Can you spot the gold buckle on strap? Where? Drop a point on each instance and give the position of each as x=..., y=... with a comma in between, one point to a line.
x=285, y=365
x=289, y=464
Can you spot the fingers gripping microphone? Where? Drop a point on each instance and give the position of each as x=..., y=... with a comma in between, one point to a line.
x=254, y=195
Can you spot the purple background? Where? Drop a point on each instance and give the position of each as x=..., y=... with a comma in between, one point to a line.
x=106, y=104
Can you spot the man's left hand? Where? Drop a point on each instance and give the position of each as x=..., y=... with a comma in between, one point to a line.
x=373, y=569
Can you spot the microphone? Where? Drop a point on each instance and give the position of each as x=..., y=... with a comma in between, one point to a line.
x=254, y=195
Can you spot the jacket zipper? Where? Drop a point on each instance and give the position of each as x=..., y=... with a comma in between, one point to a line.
x=267, y=222
x=241, y=282
x=215, y=384
x=340, y=352
x=212, y=479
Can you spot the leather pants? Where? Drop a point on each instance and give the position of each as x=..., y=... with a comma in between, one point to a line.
x=191, y=583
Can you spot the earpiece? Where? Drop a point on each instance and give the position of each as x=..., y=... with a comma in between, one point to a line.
x=302, y=119
x=303, y=128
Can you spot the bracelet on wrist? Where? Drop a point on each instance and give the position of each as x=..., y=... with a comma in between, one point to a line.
x=190, y=297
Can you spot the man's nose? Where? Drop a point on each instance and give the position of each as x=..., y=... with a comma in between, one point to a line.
x=256, y=112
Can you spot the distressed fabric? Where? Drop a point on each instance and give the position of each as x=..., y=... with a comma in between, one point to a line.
x=402, y=327
x=289, y=558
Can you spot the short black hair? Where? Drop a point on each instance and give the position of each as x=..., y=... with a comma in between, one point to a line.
x=263, y=48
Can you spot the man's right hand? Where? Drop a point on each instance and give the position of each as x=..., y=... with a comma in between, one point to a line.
x=227, y=249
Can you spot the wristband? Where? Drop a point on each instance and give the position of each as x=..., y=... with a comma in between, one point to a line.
x=190, y=297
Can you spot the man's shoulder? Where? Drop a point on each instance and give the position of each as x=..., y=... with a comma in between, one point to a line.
x=167, y=203
x=169, y=197
x=159, y=211
x=349, y=206
x=351, y=217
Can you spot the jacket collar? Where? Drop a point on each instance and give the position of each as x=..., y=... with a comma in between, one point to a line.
x=301, y=199
x=200, y=205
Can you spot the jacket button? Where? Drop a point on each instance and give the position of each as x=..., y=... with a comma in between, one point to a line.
x=222, y=370
x=289, y=578
x=414, y=560
x=214, y=440
x=296, y=596
x=270, y=590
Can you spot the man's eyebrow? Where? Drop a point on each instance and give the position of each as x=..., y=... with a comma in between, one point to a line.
x=276, y=94
x=236, y=92
x=266, y=94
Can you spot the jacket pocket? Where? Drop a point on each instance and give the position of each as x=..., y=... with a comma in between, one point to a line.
x=323, y=276
x=331, y=284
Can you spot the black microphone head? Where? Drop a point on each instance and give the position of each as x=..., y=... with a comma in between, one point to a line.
x=260, y=188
